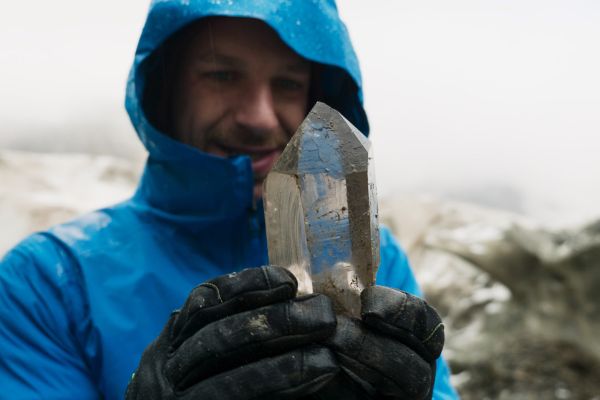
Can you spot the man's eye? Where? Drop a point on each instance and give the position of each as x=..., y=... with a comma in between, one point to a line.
x=221, y=76
x=288, y=84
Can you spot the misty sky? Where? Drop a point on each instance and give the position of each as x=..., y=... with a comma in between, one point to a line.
x=496, y=101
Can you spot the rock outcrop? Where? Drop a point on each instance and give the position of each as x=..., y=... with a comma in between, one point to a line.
x=520, y=303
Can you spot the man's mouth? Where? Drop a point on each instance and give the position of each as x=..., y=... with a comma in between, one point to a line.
x=264, y=161
x=263, y=157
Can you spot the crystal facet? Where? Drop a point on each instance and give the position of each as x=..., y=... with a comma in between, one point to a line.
x=321, y=209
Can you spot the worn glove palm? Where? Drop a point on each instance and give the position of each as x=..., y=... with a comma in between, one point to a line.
x=241, y=336
x=390, y=353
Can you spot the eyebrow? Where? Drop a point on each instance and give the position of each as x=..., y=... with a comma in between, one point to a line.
x=212, y=57
x=299, y=67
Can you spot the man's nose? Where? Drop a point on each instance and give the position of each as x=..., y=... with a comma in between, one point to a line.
x=256, y=110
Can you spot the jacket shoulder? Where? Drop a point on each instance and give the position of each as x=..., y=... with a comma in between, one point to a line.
x=35, y=257
x=42, y=320
x=96, y=226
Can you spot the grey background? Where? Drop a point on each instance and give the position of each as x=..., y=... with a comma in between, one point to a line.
x=492, y=101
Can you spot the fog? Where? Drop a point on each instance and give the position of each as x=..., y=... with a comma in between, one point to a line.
x=495, y=102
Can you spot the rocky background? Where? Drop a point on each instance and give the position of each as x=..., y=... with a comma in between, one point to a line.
x=521, y=303
x=38, y=190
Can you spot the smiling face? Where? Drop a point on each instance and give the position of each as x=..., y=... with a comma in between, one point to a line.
x=239, y=90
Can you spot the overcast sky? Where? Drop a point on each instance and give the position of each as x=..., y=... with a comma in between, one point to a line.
x=496, y=101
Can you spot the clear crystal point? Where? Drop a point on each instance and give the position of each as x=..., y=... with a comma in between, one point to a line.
x=321, y=209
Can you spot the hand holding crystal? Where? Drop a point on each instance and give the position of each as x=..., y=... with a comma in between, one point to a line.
x=390, y=352
x=241, y=336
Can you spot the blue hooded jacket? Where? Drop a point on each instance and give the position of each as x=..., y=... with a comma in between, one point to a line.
x=81, y=301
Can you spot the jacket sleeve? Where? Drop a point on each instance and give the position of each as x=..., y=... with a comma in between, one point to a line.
x=41, y=355
x=394, y=271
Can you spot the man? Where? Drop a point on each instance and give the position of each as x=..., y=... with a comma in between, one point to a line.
x=216, y=91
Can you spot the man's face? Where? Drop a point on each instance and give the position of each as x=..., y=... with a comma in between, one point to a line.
x=240, y=90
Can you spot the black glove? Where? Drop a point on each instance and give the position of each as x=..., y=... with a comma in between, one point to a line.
x=241, y=336
x=390, y=353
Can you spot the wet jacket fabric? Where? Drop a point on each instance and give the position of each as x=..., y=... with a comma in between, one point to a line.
x=80, y=301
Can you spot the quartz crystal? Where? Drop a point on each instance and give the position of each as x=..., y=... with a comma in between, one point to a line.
x=321, y=209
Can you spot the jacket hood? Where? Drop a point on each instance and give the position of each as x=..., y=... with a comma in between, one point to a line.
x=312, y=29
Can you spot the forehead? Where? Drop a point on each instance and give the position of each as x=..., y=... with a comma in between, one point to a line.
x=244, y=38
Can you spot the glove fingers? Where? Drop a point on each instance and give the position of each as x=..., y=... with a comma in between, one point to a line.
x=230, y=294
x=386, y=364
x=342, y=387
x=246, y=337
x=286, y=376
x=404, y=317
